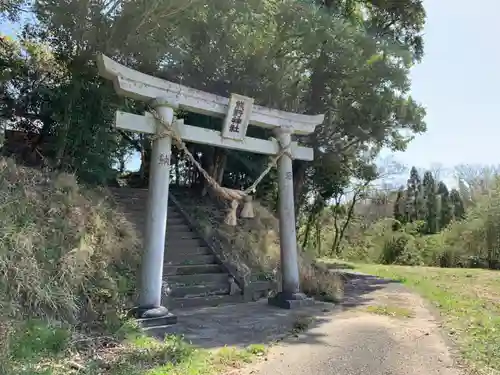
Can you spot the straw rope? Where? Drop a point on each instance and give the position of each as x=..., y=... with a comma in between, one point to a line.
x=226, y=193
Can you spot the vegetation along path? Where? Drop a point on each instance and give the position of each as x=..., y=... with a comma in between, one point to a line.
x=383, y=329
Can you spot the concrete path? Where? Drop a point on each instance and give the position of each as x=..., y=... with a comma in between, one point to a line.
x=358, y=341
x=360, y=337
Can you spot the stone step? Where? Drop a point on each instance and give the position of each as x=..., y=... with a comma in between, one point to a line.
x=184, y=252
x=200, y=290
x=192, y=269
x=179, y=244
x=172, y=234
x=156, y=322
x=199, y=278
x=175, y=221
x=174, y=214
x=208, y=301
x=185, y=259
x=178, y=227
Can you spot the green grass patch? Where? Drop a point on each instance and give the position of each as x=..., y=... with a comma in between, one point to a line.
x=333, y=263
x=36, y=348
x=469, y=303
x=388, y=310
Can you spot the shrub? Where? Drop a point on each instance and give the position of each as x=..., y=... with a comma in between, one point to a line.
x=475, y=241
x=395, y=246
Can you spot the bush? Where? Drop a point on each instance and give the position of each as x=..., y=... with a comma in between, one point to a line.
x=475, y=241
x=398, y=247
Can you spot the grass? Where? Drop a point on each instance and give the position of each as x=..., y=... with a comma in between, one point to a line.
x=389, y=310
x=65, y=253
x=468, y=301
x=39, y=348
x=333, y=263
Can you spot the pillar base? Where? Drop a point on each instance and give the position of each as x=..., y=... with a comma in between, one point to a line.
x=153, y=316
x=290, y=301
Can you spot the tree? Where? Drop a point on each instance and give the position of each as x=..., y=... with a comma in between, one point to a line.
x=431, y=215
x=446, y=208
x=399, y=208
x=12, y=9
x=413, y=197
x=457, y=204
x=475, y=180
x=303, y=56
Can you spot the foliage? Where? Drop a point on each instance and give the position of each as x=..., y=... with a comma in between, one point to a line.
x=72, y=111
x=301, y=56
x=429, y=201
x=469, y=240
x=12, y=9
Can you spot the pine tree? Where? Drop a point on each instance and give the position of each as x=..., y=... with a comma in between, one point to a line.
x=412, y=196
x=446, y=211
x=457, y=204
x=399, y=209
x=431, y=204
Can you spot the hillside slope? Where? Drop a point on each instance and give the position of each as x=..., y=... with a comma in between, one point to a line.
x=68, y=263
x=68, y=266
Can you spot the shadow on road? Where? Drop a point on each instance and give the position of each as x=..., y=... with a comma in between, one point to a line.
x=259, y=323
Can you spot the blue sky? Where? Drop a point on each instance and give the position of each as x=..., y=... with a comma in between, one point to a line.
x=458, y=82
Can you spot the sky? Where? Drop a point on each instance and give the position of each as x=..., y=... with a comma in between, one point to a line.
x=457, y=82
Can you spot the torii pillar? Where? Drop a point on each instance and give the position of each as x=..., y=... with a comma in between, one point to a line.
x=290, y=294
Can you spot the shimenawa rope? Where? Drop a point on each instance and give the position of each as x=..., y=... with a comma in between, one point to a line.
x=233, y=195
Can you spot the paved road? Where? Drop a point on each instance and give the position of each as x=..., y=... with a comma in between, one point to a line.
x=356, y=342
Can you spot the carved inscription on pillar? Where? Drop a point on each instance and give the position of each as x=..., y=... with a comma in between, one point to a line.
x=164, y=160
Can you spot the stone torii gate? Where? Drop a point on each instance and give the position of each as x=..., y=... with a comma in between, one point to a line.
x=239, y=111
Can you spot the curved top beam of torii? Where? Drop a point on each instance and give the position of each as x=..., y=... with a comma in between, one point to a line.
x=133, y=84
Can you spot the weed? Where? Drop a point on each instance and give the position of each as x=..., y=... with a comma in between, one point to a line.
x=302, y=323
x=388, y=310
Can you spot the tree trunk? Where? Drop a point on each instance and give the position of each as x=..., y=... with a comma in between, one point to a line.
x=318, y=237
x=220, y=165
x=145, y=161
x=299, y=178
x=177, y=161
x=310, y=221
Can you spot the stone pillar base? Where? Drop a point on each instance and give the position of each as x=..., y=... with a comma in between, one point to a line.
x=290, y=301
x=150, y=317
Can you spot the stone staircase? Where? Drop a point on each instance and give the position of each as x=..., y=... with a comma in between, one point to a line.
x=192, y=272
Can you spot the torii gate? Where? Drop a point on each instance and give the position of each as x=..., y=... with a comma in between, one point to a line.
x=239, y=111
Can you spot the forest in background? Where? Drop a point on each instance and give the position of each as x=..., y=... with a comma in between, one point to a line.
x=423, y=223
